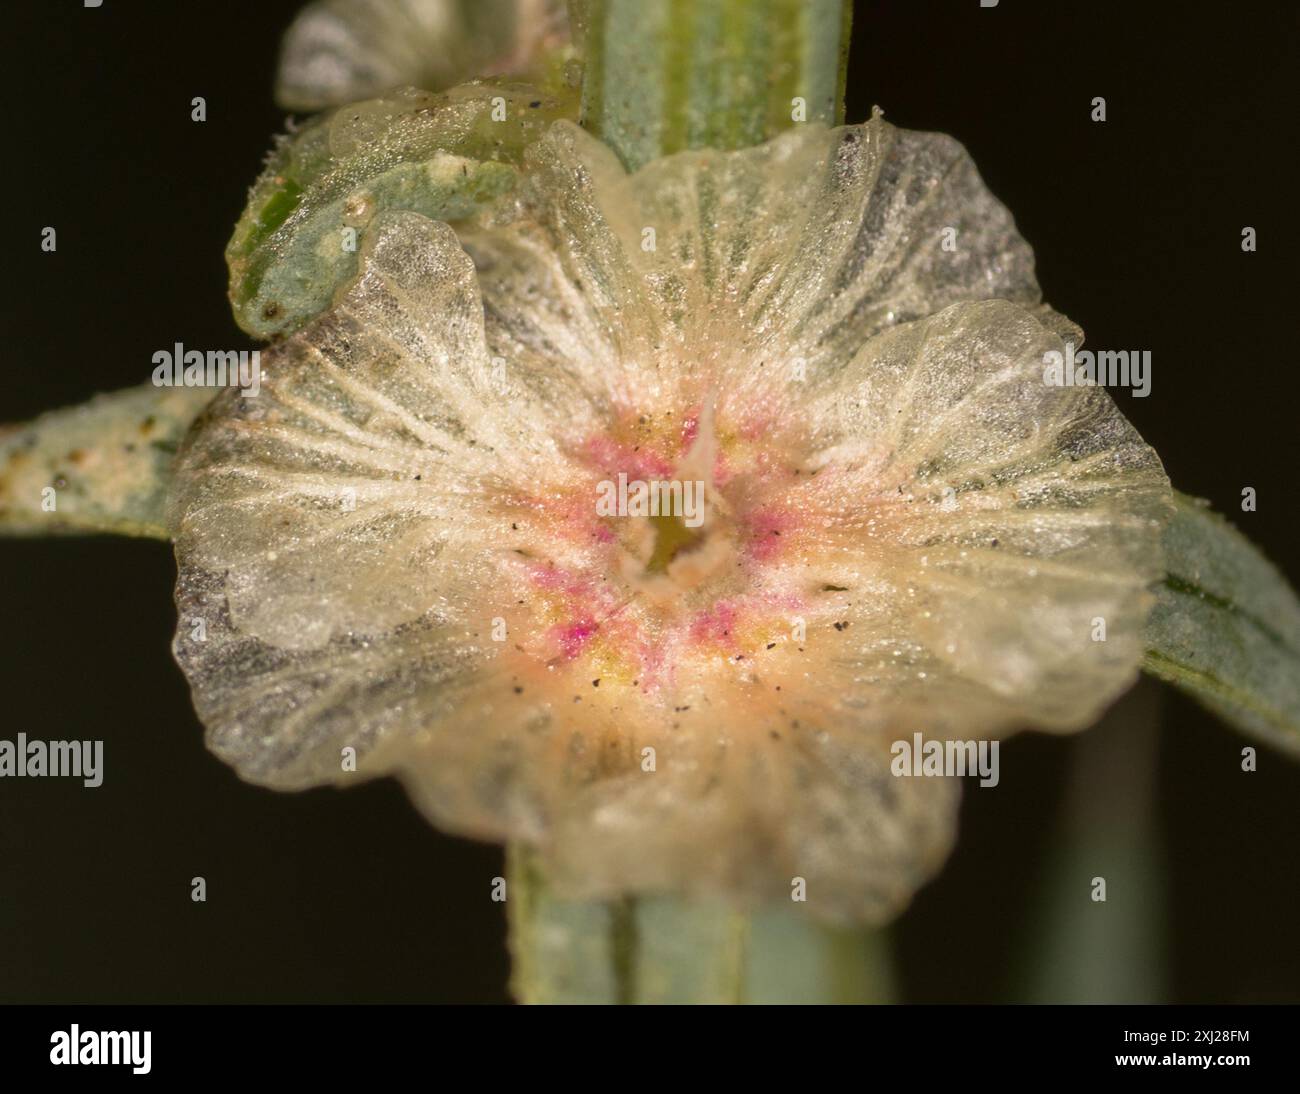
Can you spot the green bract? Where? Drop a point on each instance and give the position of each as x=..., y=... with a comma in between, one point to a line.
x=444, y=155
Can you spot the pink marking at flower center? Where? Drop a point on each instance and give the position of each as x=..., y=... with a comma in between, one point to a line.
x=638, y=461
x=716, y=625
x=765, y=528
x=573, y=638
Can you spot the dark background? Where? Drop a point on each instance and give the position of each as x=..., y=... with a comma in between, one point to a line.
x=329, y=896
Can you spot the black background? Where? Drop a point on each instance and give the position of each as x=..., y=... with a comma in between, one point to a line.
x=329, y=896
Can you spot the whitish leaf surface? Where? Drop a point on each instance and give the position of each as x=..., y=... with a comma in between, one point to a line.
x=103, y=466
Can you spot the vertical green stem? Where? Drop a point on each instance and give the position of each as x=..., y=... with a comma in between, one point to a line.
x=667, y=950
x=664, y=75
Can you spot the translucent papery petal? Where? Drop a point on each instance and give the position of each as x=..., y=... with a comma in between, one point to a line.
x=744, y=796
x=987, y=515
x=559, y=286
x=736, y=265
x=339, y=497
x=282, y=715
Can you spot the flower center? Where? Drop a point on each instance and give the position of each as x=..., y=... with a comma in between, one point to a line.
x=668, y=558
x=656, y=564
x=673, y=539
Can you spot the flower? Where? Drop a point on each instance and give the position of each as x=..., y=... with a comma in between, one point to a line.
x=397, y=547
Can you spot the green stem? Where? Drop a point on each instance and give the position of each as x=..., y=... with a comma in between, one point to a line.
x=666, y=75
x=669, y=950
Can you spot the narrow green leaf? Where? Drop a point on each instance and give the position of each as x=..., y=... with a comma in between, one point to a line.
x=1226, y=627
x=102, y=466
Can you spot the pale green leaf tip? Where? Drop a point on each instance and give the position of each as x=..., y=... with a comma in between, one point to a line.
x=103, y=466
